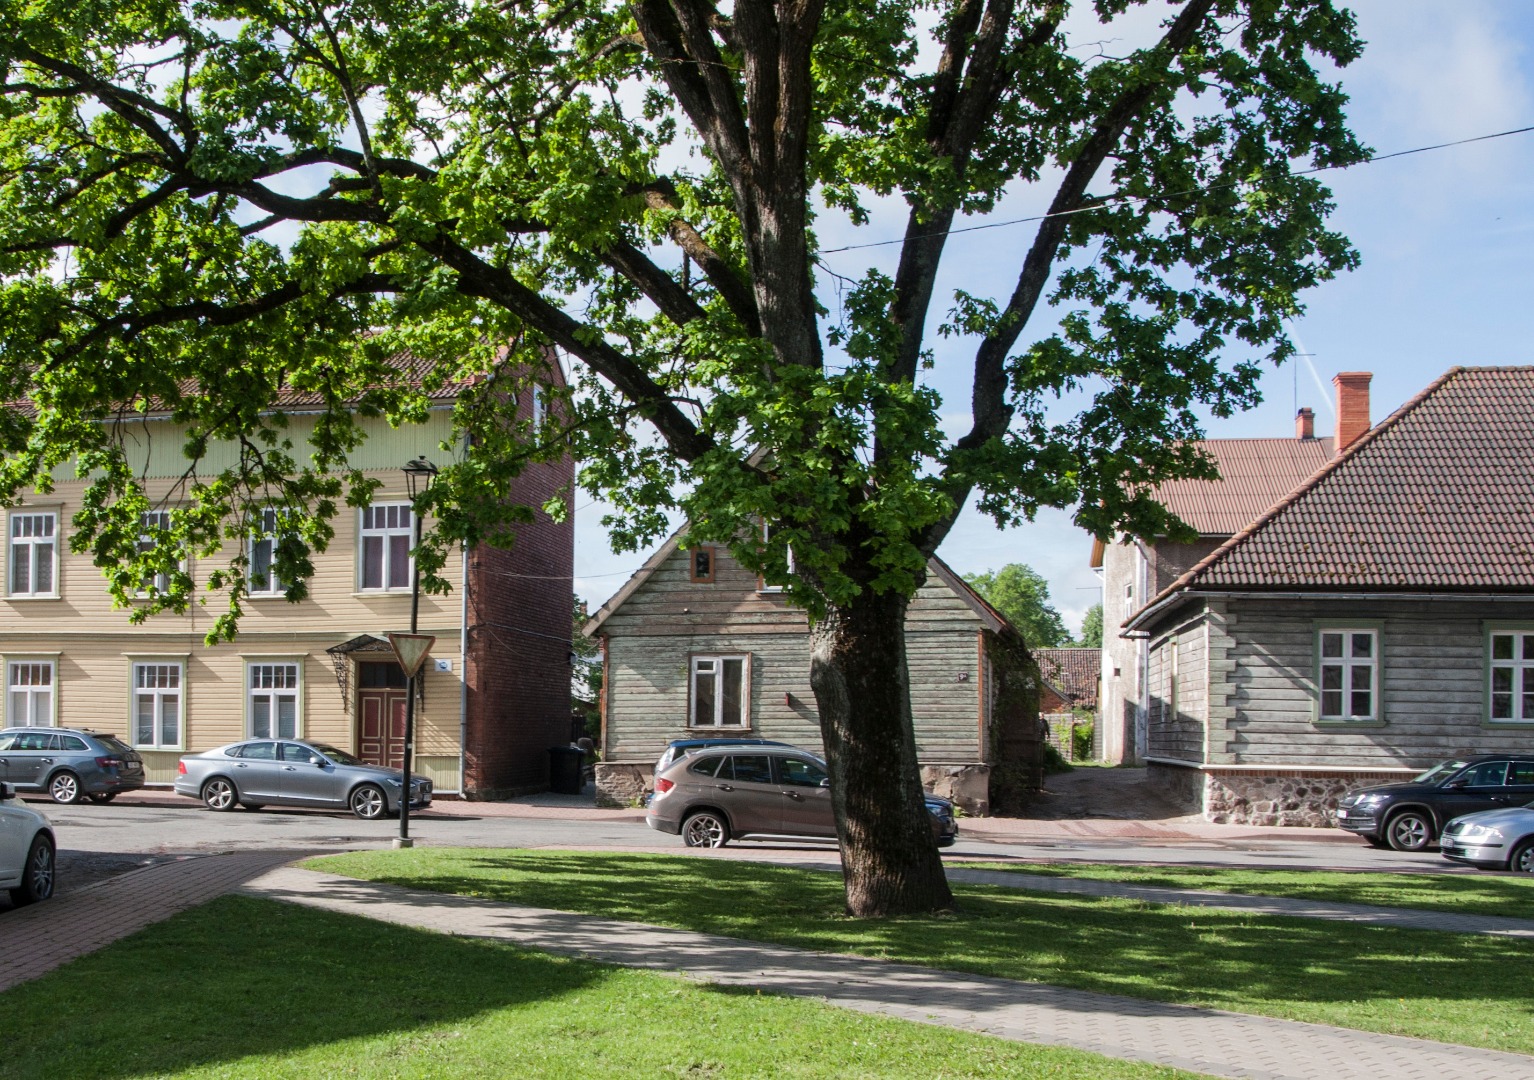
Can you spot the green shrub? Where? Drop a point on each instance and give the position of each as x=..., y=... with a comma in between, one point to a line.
x=1081, y=741
x=1054, y=762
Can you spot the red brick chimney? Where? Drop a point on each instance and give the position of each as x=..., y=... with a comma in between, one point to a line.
x=1352, y=406
x=1305, y=424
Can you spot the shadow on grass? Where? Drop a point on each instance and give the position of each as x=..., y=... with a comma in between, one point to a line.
x=1161, y=952
x=241, y=976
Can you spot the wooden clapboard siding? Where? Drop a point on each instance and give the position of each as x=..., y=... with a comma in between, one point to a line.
x=1261, y=666
x=653, y=633
x=1176, y=722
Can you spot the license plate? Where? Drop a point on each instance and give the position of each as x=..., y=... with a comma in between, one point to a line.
x=1341, y=814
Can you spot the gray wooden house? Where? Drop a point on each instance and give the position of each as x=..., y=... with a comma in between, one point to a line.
x=1377, y=619
x=696, y=646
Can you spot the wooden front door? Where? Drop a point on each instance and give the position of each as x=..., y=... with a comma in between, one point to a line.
x=381, y=714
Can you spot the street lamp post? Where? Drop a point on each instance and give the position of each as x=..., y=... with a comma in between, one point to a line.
x=418, y=477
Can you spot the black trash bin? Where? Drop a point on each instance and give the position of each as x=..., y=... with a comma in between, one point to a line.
x=567, y=765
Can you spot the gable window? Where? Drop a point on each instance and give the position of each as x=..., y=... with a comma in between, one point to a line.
x=157, y=705
x=273, y=701
x=762, y=584
x=29, y=693
x=34, y=554
x=1512, y=676
x=701, y=565
x=719, y=691
x=1349, y=674
x=540, y=406
x=384, y=552
x=263, y=580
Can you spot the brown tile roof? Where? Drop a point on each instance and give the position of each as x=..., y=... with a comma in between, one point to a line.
x=1075, y=672
x=1438, y=497
x=1254, y=474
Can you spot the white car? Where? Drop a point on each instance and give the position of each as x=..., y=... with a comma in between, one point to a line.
x=26, y=850
x=1500, y=839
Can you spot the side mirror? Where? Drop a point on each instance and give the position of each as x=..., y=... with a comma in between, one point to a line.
x=826, y=782
x=1457, y=783
x=321, y=763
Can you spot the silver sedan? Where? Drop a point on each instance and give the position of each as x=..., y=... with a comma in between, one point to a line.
x=275, y=772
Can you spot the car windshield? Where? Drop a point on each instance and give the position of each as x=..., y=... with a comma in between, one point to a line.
x=1442, y=771
x=340, y=757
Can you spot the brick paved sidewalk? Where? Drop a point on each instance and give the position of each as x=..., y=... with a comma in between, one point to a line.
x=35, y=940
x=1203, y=1040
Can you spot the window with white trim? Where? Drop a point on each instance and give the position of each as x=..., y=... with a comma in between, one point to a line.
x=1512, y=677
x=151, y=524
x=261, y=575
x=273, y=701
x=719, y=691
x=157, y=705
x=383, y=554
x=540, y=406
x=29, y=693
x=34, y=554
x=1349, y=674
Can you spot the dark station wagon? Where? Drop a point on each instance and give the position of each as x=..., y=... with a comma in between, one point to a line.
x=69, y=764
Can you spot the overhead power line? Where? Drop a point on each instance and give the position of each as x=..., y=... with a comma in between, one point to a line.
x=1110, y=201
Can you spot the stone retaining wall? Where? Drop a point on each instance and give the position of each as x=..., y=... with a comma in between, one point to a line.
x=1306, y=799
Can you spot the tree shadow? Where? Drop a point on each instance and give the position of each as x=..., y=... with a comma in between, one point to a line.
x=242, y=977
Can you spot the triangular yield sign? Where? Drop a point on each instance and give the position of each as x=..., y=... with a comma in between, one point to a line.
x=411, y=650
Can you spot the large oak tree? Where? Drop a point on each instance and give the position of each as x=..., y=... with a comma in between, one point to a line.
x=204, y=201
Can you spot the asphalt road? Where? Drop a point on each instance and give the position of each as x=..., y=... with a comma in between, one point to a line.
x=97, y=841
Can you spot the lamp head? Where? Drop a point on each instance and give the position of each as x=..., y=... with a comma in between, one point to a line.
x=418, y=476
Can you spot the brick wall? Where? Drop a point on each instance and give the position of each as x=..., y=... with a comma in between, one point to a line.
x=518, y=664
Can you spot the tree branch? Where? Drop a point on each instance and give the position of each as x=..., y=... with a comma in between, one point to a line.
x=673, y=300
x=735, y=292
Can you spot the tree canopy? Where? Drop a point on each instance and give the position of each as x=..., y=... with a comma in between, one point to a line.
x=1021, y=594
x=1092, y=628
x=207, y=202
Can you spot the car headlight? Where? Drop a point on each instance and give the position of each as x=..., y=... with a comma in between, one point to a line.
x=1366, y=801
x=391, y=780
x=1480, y=832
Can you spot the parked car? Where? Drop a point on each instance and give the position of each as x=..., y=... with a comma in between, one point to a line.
x=70, y=764
x=261, y=772
x=26, y=850
x=720, y=793
x=1492, y=839
x=1410, y=816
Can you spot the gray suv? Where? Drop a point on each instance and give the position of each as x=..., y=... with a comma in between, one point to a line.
x=721, y=793
x=70, y=764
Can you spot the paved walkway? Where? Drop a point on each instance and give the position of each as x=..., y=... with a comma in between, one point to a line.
x=1203, y=1040
x=35, y=940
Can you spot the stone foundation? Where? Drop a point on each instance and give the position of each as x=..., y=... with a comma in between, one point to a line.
x=1299, y=798
x=969, y=786
x=622, y=785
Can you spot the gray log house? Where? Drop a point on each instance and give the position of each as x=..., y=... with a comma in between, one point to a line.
x=696, y=646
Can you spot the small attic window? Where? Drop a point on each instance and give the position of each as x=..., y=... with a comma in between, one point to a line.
x=701, y=564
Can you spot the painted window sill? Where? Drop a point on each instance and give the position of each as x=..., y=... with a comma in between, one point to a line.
x=23, y=597
x=1512, y=725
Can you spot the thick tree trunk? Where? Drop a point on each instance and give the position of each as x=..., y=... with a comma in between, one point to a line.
x=858, y=670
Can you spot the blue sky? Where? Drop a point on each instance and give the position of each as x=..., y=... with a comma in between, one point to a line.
x=1446, y=239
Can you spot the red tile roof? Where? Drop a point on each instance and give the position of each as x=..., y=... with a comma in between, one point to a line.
x=1075, y=672
x=1254, y=474
x=1438, y=497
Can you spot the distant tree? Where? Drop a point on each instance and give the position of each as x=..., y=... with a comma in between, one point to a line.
x=1092, y=628
x=1022, y=595
x=585, y=668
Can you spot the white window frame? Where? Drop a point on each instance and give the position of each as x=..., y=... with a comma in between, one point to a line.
x=273, y=673
x=1349, y=666
x=27, y=716
x=1520, y=669
x=711, y=667
x=146, y=543
x=540, y=405
x=160, y=672
x=266, y=533
x=26, y=546
x=384, y=533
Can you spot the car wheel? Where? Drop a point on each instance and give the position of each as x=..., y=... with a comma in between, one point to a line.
x=219, y=794
x=705, y=829
x=1410, y=830
x=65, y=788
x=368, y=802
x=1522, y=861
x=37, y=876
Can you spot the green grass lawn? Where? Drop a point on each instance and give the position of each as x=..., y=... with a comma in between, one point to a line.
x=1468, y=989
x=244, y=987
x=1468, y=894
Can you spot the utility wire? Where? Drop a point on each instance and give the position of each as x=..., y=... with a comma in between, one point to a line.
x=1113, y=199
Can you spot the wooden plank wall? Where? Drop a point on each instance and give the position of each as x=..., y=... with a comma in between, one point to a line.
x=670, y=618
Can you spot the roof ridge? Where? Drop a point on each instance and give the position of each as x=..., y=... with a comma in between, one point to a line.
x=1308, y=485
